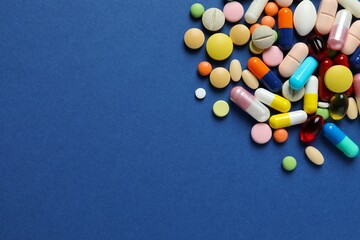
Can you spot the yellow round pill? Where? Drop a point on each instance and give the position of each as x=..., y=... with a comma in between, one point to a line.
x=254, y=49
x=239, y=34
x=194, y=38
x=219, y=46
x=221, y=108
x=338, y=78
x=220, y=77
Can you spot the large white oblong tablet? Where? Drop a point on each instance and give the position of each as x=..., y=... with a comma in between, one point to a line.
x=352, y=5
x=304, y=17
x=326, y=16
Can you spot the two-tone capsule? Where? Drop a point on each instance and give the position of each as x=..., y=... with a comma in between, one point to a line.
x=285, y=28
x=249, y=104
x=284, y=120
x=303, y=73
x=273, y=100
x=264, y=74
x=339, y=30
x=340, y=140
x=311, y=95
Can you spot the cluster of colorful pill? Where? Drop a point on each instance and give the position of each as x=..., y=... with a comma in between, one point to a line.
x=331, y=50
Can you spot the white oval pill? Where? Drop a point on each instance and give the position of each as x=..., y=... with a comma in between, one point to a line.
x=314, y=155
x=213, y=19
x=323, y=104
x=235, y=70
x=291, y=94
x=304, y=17
x=352, y=111
x=200, y=93
x=249, y=79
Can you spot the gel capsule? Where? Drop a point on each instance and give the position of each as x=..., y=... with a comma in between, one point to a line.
x=303, y=73
x=324, y=93
x=339, y=30
x=249, y=104
x=273, y=100
x=311, y=95
x=317, y=47
x=285, y=28
x=264, y=74
x=340, y=140
x=311, y=128
x=284, y=120
x=338, y=106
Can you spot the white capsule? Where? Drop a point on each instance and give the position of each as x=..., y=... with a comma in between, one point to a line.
x=254, y=11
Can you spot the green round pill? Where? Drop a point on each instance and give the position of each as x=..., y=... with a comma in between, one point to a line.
x=323, y=112
x=289, y=163
x=197, y=10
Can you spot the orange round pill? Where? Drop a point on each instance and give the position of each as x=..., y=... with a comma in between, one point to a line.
x=268, y=21
x=252, y=28
x=271, y=9
x=204, y=68
x=280, y=135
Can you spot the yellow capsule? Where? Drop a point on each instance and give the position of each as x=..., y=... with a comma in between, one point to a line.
x=311, y=95
x=273, y=100
x=283, y=120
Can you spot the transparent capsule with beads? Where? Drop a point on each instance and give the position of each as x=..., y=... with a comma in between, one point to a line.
x=338, y=106
x=311, y=128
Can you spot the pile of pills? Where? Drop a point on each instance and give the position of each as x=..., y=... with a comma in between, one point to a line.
x=323, y=71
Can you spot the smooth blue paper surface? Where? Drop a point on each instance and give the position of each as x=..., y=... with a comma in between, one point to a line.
x=102, y=137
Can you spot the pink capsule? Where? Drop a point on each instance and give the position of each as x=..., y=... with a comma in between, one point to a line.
x=339, y=30
x=249, y=104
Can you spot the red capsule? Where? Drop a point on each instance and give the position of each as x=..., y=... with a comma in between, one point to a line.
x=342, y=59
x=317, y=47
x=324, y=93
x=311, y=128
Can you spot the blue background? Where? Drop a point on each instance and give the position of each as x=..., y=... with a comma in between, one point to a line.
x=102, y=137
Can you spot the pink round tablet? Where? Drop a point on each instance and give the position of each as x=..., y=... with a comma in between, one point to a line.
x=233, y=11
x=272, y=56
x=261, y=133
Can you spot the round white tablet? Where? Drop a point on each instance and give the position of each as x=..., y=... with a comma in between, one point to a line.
x=200, y=93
